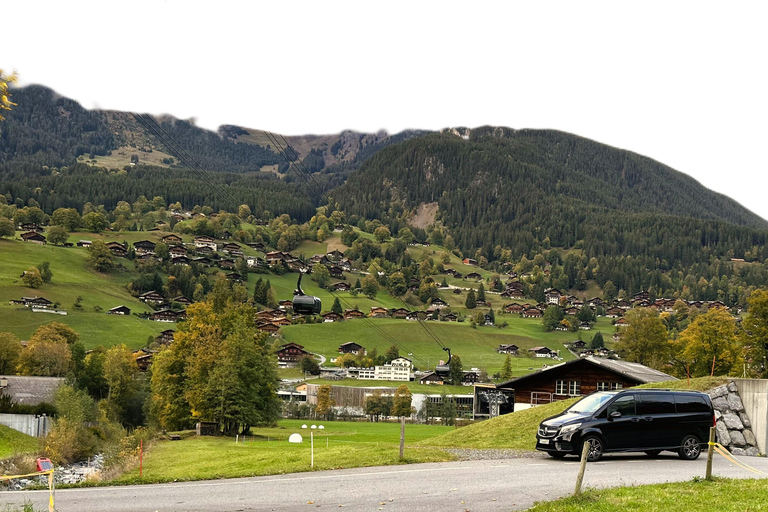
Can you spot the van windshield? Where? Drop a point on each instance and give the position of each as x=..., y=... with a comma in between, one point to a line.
x=590, y=403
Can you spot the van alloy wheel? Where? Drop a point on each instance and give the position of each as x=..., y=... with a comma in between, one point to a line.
x=595, y=452
x=690, y=448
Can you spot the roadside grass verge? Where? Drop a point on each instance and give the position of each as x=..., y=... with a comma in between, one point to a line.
x=14, y=443
x=267, y=451
x=723, y=495
x=518, y=430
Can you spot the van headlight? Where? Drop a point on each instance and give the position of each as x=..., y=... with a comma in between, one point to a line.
x=568, y=431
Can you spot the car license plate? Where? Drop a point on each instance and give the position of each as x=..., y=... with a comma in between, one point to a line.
x=543, y=441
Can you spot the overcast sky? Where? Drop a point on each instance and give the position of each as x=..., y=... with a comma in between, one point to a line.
x=681, y=82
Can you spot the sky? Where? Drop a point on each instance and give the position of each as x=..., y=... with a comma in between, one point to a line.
x=684, y=83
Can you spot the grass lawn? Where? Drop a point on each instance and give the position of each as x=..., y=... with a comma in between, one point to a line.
x=518, y=429
x=723, y=495
x=476, y=347
x=339, y=445
x=13, y=442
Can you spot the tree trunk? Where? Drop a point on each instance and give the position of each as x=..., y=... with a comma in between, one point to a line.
x=402, y=435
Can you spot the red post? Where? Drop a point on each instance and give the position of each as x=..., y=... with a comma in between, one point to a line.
x=141, y=458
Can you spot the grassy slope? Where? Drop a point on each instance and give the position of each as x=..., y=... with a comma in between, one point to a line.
x=349, y=444
x=13, y=442
x=518, y=430
x=698, y=495
x=71, y=278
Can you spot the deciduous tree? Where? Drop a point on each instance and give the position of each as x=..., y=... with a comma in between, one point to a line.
x=710, y=343
x=10, y=349
x=644, y=340
x=325, y=400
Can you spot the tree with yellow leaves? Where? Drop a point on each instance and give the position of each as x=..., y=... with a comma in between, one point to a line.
x=5, y=96
x=709, y=344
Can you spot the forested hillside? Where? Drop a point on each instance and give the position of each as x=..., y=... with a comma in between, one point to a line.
x=501, y=187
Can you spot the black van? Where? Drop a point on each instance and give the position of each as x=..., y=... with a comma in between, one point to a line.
x=631, y=420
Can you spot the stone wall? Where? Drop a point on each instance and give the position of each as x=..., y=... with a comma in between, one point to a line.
x=734, y=428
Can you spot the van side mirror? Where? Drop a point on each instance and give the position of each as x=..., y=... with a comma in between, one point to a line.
x=614, y=415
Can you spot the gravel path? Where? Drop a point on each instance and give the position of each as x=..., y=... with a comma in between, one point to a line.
x=494, y=454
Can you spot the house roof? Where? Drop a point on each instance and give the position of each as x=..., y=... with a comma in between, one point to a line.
x=641, y=374
x=31, y=390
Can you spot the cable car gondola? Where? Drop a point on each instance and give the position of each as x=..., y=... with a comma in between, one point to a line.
x=305, y=304
x=444, y=370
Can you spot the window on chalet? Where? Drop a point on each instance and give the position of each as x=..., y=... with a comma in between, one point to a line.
x=617, y=385
x=609, y=386
x=568, y=387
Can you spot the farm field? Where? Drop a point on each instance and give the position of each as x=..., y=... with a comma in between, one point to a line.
x=266, y=451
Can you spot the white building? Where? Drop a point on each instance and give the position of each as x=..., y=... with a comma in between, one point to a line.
x=397, y=369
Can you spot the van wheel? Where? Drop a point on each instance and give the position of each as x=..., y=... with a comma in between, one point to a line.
x=690, y=448
x=596, y=448
x=653, y=453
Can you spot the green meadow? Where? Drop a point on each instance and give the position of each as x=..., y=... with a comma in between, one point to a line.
x=266, y=451
x=13, y=443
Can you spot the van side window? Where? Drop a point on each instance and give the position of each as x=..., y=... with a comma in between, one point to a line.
x=687, y=403
x=625, y=405
x=656, y=403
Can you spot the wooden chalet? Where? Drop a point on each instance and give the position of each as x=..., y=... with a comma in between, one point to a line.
x=181, y=260
x=205, y=250
x=235, y=277
x=450, y=317
x=281, y=322
x=578, y=344
x=177, y=250
x=84, y=243
x=151, y=297
x=290, y=353
x=31, y=226
x=336, y=272
x=378, y=312
x=143, y=360
x=227, y=264
x=469, y=261
x=508, y=349
x=268, y=327
x=119, y=310
x=168, y=315
x=144, y=247
x=614, y=312
x=37, y=302
x=431, y=378
x=203, y=260
x=585, y=326
x=232, y=248
x=285, y=304
x=399, y=312
x=345, y=264
x=341, y=286
x=165, y=337
x=171, y=239
x=351, y=348
x=552, y=296
x=353, y=313
x=331, y=316
x=513, y=294
x=474, y=276
x=182, y=300
x=440, y=303
x=513, y=308
x=621, y=322
x=118, y=249
x=34, y=237
x=205, y=241
x=255, y=262
x=414, y=316
x=540, y=352
x=335, y=255
x=580, y=377
x=532, y=313
x=259, y=246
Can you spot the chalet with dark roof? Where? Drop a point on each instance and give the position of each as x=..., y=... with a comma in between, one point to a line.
x=331, y=316
x=532, y=313
x=474, y=276
x=171, y=239
x=336, y=272
x=351, y=348
x=340, y=287
x=513, y=308
x=165, y=337
x=507, y=349
x=290, y=353
x=168, y=315
x=353, y=313
x=144, y=247
x=177, y=250
x=151, y=297
x=378, y=312
x=24, y=390
x=398, y=312
x=118, y=249
x=119, y=310
x=552, y=296
x=580, y=377
x=36, y=302
x=205, y=241
x=34, y=237
x=469, y=261
x=181, y=260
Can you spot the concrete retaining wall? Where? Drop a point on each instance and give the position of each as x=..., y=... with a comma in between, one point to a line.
x=754, y=395
x=35, y=426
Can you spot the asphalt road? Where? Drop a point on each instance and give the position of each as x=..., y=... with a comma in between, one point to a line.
x=477, y=486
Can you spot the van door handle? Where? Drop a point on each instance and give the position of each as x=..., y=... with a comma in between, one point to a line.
x=648, y=418
x=635, y=420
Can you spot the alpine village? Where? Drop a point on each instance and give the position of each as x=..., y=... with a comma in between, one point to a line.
x=167, y=292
